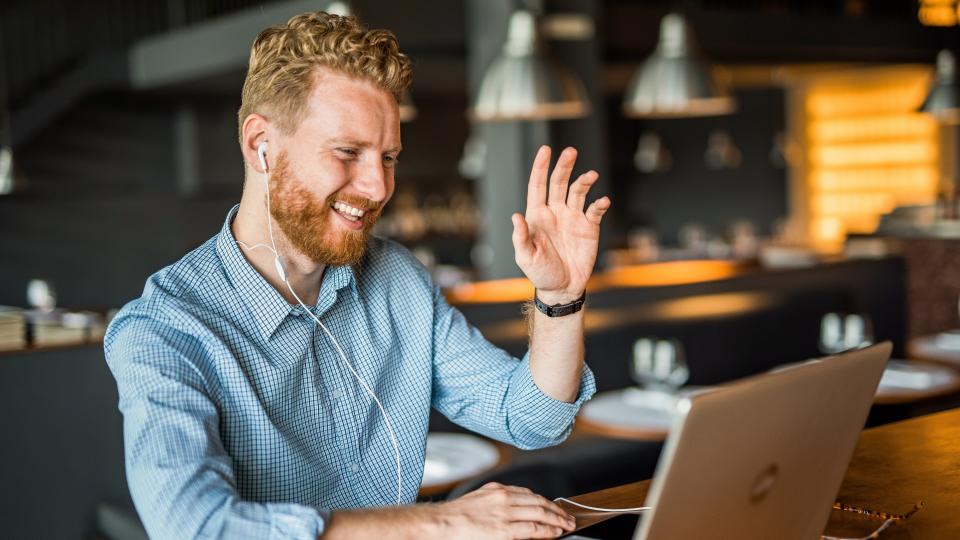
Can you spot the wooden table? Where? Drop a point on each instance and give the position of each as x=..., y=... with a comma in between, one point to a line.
x=893, y=467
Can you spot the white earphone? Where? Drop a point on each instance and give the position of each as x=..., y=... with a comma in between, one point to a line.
x=281, y=272
x=262, y=154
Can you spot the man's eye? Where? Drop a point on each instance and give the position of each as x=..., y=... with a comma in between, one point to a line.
x=390, y=160
x=349, y=152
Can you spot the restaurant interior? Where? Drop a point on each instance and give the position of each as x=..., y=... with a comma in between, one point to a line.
x=783, y=176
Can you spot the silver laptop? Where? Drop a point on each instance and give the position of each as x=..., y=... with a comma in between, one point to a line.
x=763, y=457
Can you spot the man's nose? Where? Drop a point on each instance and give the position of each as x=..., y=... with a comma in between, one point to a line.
x=372, y=181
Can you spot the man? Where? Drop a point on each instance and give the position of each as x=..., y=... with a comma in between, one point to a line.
x=252, y=372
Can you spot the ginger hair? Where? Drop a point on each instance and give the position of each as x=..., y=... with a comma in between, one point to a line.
x=284, y=59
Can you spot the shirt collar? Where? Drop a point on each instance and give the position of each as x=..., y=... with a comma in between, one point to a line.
x=268, y=306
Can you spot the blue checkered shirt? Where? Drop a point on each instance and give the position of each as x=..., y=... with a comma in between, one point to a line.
x=242, y=421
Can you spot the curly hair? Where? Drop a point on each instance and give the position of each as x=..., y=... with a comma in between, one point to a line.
x=284, y=57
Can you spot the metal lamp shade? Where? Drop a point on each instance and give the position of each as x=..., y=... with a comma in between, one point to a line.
x=523, y=85
x=942, y=101
x=673, y=81
x=529, y=88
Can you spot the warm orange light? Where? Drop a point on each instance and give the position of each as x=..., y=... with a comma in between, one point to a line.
x=889, y=126
x=938, y=12
x=491, y=292
x=904, y=152
x=829, y=231
x=852, y=204
x=713, y=305
x=668, y=273
x=899, y=180
x=868, y=150
x=642, y=275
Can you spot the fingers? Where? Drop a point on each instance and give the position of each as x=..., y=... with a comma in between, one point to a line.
x=561, y=177
x=596, y=210
x=523, y=250
x=537, y=186
x=518, y=512
x=579, y=190
x=527, y=529
x=539, y=513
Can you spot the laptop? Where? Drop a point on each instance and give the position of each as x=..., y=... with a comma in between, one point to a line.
x=763, y=457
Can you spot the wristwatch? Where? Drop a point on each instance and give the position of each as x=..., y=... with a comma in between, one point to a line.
x=559, y=310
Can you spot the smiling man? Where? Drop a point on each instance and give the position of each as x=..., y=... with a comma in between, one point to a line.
x=276, y=381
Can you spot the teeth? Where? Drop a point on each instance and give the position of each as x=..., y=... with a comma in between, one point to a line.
x=347, y=209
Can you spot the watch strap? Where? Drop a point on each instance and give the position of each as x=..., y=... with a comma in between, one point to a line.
x=559, y=310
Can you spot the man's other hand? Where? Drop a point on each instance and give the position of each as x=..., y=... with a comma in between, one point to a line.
x=502, y=512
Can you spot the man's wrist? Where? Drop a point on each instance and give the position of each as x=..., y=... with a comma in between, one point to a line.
x=552, y=298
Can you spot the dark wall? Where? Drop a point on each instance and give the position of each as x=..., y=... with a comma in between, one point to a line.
x=692, y=192
x=103, y=210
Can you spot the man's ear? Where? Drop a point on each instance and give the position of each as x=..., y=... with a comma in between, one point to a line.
x=253, y=132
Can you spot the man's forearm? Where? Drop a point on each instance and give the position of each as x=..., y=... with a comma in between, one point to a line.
x=556, y=351
x=401, y=522
x=493, y=511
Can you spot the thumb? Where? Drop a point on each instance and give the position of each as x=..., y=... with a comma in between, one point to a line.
x=521, y=237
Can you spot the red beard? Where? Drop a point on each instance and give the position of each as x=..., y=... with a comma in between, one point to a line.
x=306, y=221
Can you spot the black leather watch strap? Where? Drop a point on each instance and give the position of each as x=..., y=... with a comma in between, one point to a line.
x=559, y=310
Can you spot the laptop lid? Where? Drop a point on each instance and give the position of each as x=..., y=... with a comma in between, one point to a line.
x=763, y=457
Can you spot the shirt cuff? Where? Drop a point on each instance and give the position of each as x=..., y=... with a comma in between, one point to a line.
x=536, y=419
x=296, y=521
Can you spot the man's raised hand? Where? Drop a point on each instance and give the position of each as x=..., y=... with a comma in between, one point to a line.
x=555, y=243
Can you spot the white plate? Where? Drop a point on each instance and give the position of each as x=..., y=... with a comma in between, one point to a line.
x=632, y=408
x=455, y=456
x=914, y=376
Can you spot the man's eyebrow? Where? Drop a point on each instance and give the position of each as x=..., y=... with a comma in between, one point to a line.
x=361, y=144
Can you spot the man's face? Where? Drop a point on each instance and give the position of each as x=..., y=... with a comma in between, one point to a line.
x=338, y=163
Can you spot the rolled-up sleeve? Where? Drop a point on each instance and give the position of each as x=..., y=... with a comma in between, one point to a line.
x=180, y=477
x=483, y=388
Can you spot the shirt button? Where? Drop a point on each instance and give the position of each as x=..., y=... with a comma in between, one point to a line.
x=355, y=467
x=337, y=394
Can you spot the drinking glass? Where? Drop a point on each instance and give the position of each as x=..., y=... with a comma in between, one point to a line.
x=841, y=332
x=659, y=364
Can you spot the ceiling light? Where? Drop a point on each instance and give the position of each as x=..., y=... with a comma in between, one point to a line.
x=674, y=81
x=942, y=100
x=523, y=84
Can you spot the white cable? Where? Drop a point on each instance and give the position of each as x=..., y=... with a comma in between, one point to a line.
x=256, y=246
x=606, y=510
x=363, y=383
x=884, y=526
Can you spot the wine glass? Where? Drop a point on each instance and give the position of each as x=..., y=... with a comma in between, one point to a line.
x=841, y=332
x=659, y=364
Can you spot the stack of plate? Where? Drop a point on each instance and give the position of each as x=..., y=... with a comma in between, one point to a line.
x=13, y=328
x=64, y=327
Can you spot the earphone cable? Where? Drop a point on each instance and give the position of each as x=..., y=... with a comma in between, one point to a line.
x=605, y=510
x=256, y=246
x=343, y=356
x=383, y=412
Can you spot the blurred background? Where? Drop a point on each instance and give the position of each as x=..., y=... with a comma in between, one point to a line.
x=783, y=176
